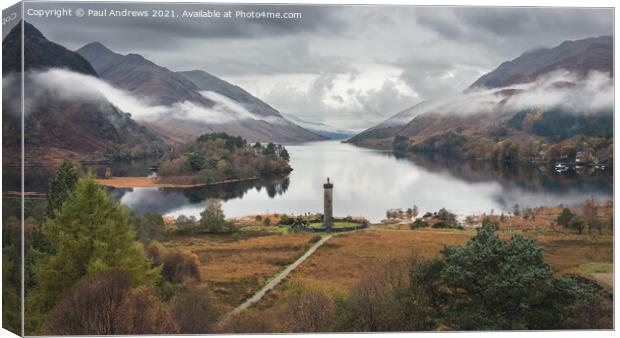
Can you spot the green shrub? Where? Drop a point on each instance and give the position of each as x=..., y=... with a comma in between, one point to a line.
x=419, y=223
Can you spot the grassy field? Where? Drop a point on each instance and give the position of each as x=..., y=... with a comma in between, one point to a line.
x=344, y=260
x=319, y=225
x=235, y=267
x=597, y=267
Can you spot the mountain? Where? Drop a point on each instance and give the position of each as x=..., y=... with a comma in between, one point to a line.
x=284, y=128
x=207, y=82
x=323, y=129
x=256, y=120
x=57, y=123
x=39, y=53
x=579, y=56
x=381, y=135
x=141, y=77
x=485, y=109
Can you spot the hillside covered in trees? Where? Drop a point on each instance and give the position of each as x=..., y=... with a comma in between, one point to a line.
x=219, y=157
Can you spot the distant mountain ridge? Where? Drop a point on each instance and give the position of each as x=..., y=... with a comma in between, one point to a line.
x=382, y=134
x=146, y=79
x=579, y=56
x=323, y=129
x=141, y=77
x=421, y=121
x=205, y=81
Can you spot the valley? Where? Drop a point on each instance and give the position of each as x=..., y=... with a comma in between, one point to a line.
x=197, y=203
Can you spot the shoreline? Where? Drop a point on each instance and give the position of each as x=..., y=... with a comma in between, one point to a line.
x=153, y=182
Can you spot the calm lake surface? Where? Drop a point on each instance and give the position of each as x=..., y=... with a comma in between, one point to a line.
x=369, y=182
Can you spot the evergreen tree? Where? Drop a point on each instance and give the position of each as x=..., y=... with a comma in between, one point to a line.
x=270, y=150
x=565, y=217
x=60, y=187
x=498, y=285
x=577, y=223
x=90, y=234
x=284, y=154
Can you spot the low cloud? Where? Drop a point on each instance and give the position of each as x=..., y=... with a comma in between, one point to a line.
x=71, y=86
x=561, y=88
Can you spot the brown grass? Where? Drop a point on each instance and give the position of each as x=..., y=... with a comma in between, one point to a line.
x=235, y=269
x=566, y=253
x=343, y=261
x=155, y=182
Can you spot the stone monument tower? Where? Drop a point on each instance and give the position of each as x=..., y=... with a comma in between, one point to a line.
x=328, y=205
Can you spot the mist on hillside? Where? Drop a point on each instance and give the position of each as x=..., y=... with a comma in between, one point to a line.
x=62, y=84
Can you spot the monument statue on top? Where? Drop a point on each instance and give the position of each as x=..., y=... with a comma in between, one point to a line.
x=328, y=217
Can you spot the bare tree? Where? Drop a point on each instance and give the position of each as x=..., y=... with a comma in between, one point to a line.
x=193, y=310
x=142, y=312
x=588, y=209
x=91, y=306
x=308, y=311
x=177, y=266
x=250, y=321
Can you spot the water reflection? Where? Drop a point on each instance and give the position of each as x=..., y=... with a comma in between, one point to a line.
x=368, y=182
x=168, y=200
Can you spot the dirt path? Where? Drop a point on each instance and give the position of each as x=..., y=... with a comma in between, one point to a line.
x=275, y=281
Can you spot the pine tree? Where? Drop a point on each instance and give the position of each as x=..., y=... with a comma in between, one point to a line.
x=90, y=234
x=285, y=155
x=60, y=187
x=565, y=217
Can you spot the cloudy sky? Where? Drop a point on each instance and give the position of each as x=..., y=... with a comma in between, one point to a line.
x=350, y=67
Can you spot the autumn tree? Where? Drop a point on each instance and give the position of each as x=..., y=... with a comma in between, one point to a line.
x=148, y=226
x=385, y=299
x=588, y=210
x=193, y=310
x=184, y=223
x=308, y=310
x=91, y=306
x=144, y=313
x=105, y=304
x=176, y=265
x=212, y=218
x=88, y=235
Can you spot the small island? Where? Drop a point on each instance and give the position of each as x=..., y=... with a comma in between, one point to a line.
x=215, y=158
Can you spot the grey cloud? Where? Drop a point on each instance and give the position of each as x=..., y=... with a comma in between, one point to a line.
x=152, y=33
x=516, y=29
x=435, y=51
